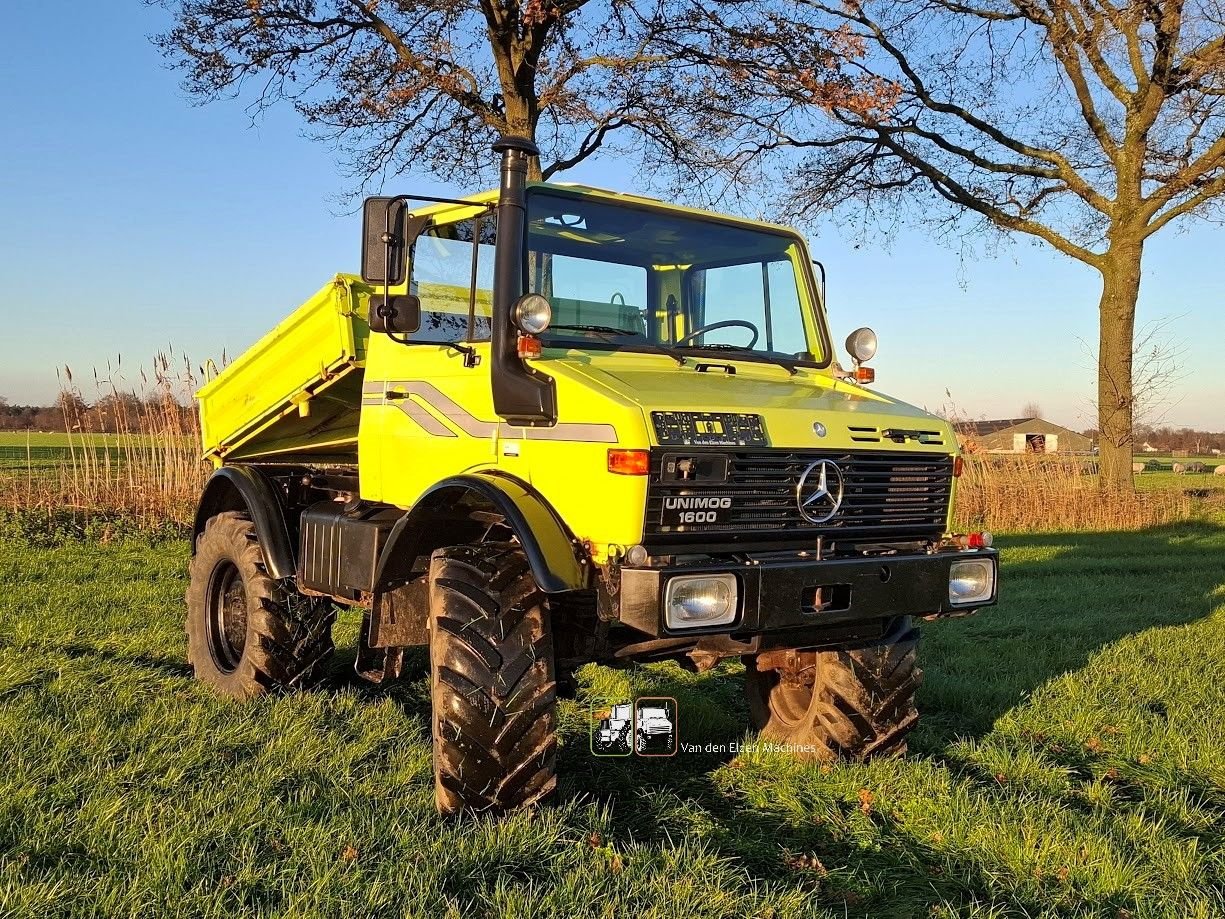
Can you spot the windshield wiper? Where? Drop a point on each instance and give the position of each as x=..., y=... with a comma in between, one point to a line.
x=645, y=343
x=604, y=329
x=789, y=366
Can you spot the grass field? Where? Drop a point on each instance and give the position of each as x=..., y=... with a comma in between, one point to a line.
x=21, y=451
x=54, y=439
x=20, y=440
x=1071, y=762
x=1157, y=481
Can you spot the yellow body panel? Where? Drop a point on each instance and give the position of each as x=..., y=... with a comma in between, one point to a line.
x=604, y=401
x=409, y=415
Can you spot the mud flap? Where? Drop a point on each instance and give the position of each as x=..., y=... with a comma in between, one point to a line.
x=396, y=620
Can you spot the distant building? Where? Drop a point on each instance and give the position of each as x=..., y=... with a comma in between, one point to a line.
x=1021, y=435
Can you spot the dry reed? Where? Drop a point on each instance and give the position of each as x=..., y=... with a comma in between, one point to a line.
x=148, y=473
x=1029, y=493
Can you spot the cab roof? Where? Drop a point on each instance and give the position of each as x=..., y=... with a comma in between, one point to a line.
x=490, y=196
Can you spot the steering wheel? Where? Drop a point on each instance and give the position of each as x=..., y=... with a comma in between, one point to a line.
x=725, y=324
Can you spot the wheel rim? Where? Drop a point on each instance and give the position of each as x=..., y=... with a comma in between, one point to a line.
x=227, y=616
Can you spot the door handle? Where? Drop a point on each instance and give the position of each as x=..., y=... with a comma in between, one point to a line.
x=394, y=395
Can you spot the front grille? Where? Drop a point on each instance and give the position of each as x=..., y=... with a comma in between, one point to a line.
x=888, y=495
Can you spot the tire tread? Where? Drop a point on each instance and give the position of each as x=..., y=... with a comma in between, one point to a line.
x=493, y=687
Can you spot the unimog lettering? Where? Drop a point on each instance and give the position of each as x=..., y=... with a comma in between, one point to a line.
x=617, y=457
x=688, y=511
x=685, y=504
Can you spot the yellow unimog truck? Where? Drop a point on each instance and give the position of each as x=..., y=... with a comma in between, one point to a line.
x=552, y=424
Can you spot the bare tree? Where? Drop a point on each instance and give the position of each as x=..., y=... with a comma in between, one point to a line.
x=1031, y=410
x=428, y=84
x=1088, y=124
x=1157, y=368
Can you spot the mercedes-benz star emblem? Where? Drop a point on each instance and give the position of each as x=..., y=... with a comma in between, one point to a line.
x=819, y=494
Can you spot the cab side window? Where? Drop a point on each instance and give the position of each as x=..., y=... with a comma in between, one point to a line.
x=444, y=280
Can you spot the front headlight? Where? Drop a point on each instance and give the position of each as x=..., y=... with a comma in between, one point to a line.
x=971, y=581
x=700, y=601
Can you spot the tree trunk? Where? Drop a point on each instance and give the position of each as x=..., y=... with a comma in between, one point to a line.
x=1116, y=332
x=522, y=118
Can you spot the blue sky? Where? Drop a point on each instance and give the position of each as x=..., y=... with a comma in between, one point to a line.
x=132, y=220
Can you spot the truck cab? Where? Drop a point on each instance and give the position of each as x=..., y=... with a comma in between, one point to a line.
x=553, y=424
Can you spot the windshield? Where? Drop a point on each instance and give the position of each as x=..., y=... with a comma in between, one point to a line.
x=625, y=277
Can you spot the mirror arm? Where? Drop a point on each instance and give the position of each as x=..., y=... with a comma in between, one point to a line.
x=471, y=358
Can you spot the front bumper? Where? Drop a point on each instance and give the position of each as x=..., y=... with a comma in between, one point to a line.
x=792, y=592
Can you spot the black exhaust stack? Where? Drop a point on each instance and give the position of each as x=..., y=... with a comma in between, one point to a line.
x=521, y=394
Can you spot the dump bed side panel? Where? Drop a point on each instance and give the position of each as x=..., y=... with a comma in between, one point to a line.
x=297, y=391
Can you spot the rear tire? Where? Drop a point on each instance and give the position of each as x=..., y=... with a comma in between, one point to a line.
x=860, y=704
x=493, y=682
x=248, y=633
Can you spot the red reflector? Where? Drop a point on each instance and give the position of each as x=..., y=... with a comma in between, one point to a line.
x=959, y=466
x=979, y=540
x=629, y=462
x=864, y=375
x=529, y=346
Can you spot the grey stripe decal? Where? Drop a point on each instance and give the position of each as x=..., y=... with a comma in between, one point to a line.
x=374, y=393
x=428, y=422
x=597, y=433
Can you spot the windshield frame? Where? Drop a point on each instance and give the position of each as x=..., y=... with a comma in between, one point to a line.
x=811, y=302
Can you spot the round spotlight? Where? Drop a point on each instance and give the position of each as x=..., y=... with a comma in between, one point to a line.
x=532, y=313
x=861, y=344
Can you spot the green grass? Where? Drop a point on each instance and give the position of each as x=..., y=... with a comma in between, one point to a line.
x=21, y=449
x=1168, y=458
x=1193, y=482
x=1071, y=762
x=65, y=440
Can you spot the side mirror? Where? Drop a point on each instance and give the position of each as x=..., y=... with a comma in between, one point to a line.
x=388, y=234
x=395, y=314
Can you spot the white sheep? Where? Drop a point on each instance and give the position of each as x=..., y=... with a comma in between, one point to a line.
x=1219, y=470
x=1137, y=468
x=1179, y=469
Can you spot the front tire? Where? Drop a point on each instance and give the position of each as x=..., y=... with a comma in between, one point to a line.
x=247, y=633
x=853, y=703
x=493, y=682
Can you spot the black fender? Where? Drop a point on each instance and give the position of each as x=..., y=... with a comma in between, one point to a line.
x=244, y=488
x=442, y=517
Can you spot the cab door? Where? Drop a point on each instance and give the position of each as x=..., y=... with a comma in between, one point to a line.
x=427, y=406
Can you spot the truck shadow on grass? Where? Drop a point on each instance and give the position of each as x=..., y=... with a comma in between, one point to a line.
x=1020, y=816
x=1062, y=597
x=905, y=837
